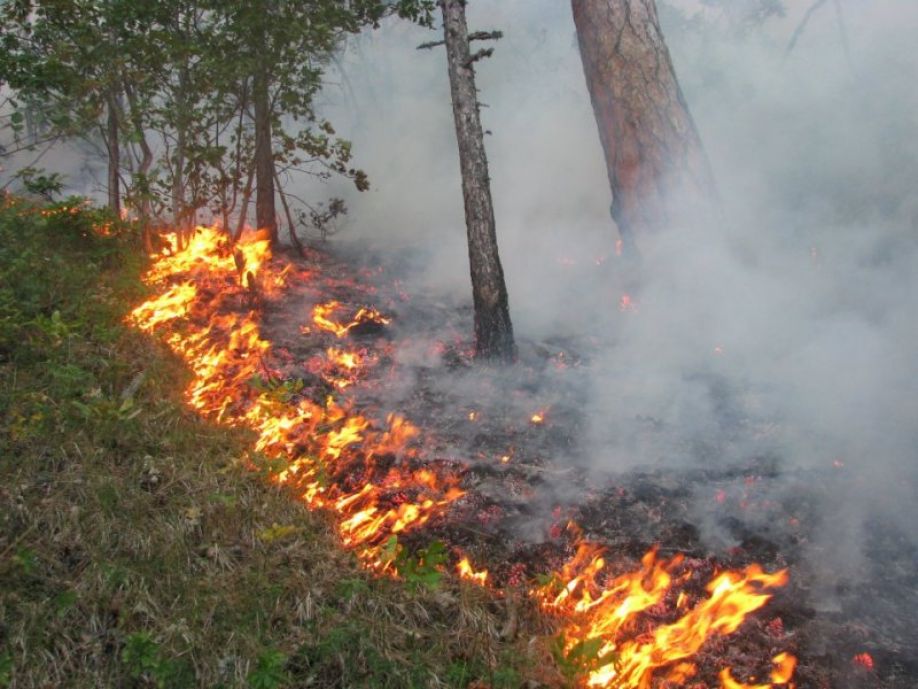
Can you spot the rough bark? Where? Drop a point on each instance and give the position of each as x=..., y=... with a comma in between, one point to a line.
x=493, y=330
x=143, y=170
x=114, y=156
x=265, y=215
x=654, y=155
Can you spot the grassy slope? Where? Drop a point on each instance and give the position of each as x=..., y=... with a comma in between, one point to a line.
x=135, y=551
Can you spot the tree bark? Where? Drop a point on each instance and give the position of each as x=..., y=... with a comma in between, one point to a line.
x=146, y=162
x=114, y=155
x=265, y=215
x=493, y=329
x=654, y=157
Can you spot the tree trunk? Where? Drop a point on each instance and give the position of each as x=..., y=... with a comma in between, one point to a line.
x=654, y=155
x=291, y=225
x=142, y=181
x=244, y=208
x=114, y=156
x=493, y=330
x=265, y=216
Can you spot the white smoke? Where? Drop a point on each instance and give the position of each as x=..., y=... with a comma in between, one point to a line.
x=786, y=329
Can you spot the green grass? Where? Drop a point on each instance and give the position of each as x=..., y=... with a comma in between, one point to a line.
x=135, y=548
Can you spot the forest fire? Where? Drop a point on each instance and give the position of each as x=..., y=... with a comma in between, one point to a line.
x=624, y=630
x=321, y=316
x=605, y=616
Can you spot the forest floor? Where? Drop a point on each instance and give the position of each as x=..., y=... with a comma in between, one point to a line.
x=136, y=550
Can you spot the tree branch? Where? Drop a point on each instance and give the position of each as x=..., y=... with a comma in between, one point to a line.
x=800, y=27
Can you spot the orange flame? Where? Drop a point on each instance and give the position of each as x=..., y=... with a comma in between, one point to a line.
x=321, y=316
x=466, y=571
x=367, y=472
x=609, y=613
x=199, y=286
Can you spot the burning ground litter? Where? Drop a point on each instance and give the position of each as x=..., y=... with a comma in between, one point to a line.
x=316, y=393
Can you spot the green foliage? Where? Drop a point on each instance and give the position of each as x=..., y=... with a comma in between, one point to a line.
x=176, y=77
x=143, y=659
x=270, y=671
x=141, y=655
x=64, y=601
x=49, y=263
x=351, y=587
x=26, y=560
x=422, y=568
x=36, y=181
x=583, y=657
x=6, y=669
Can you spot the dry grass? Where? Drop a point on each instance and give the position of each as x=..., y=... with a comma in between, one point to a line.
x=137, y=551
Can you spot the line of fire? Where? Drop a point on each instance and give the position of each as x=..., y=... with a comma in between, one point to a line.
x=642, y=379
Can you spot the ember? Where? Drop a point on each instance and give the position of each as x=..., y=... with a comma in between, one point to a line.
x=865, y=660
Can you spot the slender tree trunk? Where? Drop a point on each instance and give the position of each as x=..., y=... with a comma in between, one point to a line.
x=291, y=226
x=654, y=155
x=178, y=180
x=265, y=215
x=142, y=182
x=114, y=155
x=244, y=206
x=493, y=330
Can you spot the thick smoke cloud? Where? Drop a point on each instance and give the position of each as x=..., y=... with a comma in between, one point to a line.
x=786, y=328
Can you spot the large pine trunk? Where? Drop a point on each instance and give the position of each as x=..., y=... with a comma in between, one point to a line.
x=265, y=215
x=654, y=155
x=493, y=329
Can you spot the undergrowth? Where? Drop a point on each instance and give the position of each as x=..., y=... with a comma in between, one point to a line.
x=137, y=551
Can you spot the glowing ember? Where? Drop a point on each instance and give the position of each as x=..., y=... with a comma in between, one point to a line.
x=627, y=304
x=865, y=660
x=537, y=418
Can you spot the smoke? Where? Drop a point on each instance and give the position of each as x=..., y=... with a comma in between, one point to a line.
x=785, y=329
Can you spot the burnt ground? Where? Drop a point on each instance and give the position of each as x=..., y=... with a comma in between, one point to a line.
x=527, y=479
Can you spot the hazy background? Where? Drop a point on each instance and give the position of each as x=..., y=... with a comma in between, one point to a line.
x=788, y=329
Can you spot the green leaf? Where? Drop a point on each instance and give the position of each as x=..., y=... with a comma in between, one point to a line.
x=64, y=602
x=140, y=654
x=6, y=669
x=269, y=672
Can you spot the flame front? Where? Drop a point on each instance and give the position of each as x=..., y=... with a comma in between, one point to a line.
x=368, y=472
x=202, y=315
x=608, y=613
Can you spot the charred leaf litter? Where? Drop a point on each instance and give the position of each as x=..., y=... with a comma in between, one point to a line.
x=516, y=435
